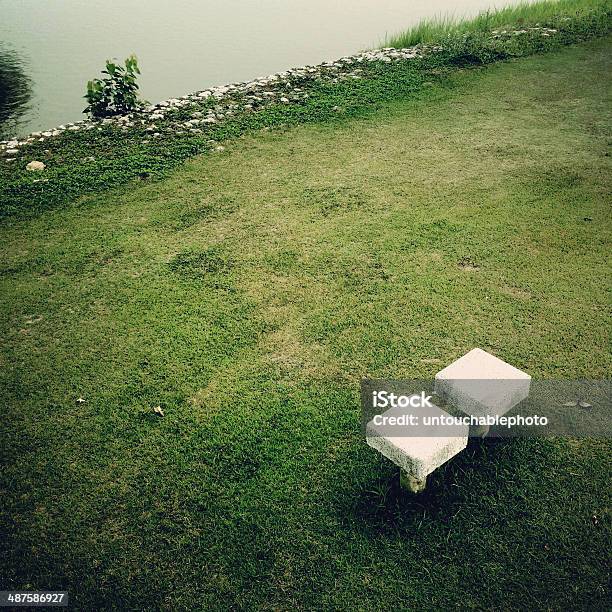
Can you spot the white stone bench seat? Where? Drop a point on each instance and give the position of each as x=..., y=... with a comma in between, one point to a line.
x=416, y=455
x=481, y=384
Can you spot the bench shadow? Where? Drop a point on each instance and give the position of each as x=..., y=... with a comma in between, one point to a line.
x=378, y=503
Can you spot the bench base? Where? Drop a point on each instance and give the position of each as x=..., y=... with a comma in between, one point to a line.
x=412, y=484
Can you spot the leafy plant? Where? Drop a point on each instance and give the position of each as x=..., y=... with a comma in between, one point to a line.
x=115, y=94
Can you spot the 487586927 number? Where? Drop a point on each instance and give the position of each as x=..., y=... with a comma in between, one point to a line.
x=33, y=598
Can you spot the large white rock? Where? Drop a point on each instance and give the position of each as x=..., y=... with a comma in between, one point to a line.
x=35, y=166
x=417, y=450
x=480, y=384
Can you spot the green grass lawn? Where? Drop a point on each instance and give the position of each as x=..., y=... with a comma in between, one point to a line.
x=248, y=293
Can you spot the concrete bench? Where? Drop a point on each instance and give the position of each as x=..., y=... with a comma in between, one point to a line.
x=416, y=455
x=477, y=384
x=480, y=384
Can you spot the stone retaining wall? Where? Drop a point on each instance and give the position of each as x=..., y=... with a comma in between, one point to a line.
x=288, y=87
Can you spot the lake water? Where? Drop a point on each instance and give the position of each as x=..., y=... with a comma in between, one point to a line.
x=183, y=45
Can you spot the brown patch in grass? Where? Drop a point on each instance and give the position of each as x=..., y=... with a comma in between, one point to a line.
x=516, y=292
x=285, y=349
x=468, y=264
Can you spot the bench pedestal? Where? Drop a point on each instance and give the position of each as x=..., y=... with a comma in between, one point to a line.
x=411, y=483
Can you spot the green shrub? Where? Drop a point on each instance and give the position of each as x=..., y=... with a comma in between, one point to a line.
x=115, y=94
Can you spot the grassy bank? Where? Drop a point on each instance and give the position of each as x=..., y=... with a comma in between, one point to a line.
x=547, y=13
x=248, y=292
x=85, y=162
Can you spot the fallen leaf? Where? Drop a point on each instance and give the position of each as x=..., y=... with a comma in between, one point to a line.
x=158, y=410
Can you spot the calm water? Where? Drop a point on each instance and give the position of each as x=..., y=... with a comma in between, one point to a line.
x=182, y=45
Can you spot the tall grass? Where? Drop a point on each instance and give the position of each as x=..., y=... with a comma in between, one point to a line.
x=525, y=14
x=15, y=90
